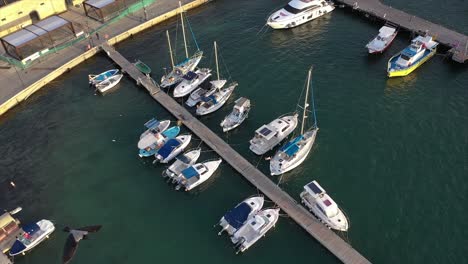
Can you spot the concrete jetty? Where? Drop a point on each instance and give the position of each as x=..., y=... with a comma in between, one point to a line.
x=326, y=237
x=4, y=259
x=457, y=42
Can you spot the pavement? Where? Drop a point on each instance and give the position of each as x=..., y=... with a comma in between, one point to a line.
x=14, y=79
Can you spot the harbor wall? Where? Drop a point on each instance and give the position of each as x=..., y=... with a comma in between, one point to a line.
x=28, y=91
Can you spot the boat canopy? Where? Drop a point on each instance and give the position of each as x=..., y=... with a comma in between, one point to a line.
x=184, y=159
x=242, y=103
x=327, y=204
x=386, y=31
x=190, y=172
x=427, y=41
x=238, y=215
x=190, y=76
x=266, y=132
x=209, y=98
x=152, y=123
x=167, y=149
x=17, y=247
x=31, y=229
x=314, y=189
x=291, y=147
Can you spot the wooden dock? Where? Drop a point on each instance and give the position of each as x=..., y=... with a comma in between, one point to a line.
x=457, y=42
x=326, y=237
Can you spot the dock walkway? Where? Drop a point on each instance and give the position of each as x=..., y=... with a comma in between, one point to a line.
x=456, y=41
x=4, y=259
x=326, y=237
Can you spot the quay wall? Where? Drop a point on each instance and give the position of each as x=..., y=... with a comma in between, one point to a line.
x=28, y=91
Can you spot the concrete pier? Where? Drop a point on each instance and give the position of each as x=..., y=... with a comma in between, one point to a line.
x=4, y=259
x=326, y=237
x=457, y=42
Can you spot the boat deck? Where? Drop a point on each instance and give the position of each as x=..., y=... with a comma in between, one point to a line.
x=457, y=42
x=335, y=244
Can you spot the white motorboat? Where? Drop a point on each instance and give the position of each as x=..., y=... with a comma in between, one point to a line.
x=236, y=217
x=191, y=81
x=97, y=78
x=215, y=101
x=150, y=136
x=239, y=113
x=383, y=40
x=33, y=234
x=108, y=83
x=323, y=207
x=172, y=148
x=255, y=228
x=189, y=64
x=196, y=174
x=197, y=95
x=298, y=12
x=182, y=162
x=293, y=153
x=268, y=136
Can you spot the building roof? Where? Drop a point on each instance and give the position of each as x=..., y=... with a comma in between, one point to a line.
x=99, y=3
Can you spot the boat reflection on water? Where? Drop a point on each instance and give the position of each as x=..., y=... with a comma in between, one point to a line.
x=401, y=83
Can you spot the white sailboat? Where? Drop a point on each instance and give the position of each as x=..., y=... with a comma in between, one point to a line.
x=239, y=113
x=270, y=135
x=293, y=153
x=197, y=174
x=189, y=64
x=237, y=216
x=323, y=207
x=197, y=95
x=254, y=229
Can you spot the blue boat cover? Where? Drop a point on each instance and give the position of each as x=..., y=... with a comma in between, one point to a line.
x=17, y=248
x=183, y=158
x=172, y=132
x=237, y=216
x=170, y=145
x=31, y=228
x=190, y=76
x=190, y=172
x=106, y=75
x=152, y=123
x=291, y=147
x=209, y=98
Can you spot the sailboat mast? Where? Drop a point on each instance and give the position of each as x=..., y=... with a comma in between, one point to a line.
x=170, y=48
x=183, y=29
x=305, y=101
x=216, y=59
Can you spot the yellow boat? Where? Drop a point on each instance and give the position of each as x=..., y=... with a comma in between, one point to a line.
x=413, y=56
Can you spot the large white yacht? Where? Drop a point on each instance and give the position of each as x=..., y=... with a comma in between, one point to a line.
x=237, y=216
x=323, y=207
x=268, y=136
x=255, y=228
x=298, y=12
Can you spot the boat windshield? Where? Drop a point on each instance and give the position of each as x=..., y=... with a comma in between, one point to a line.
x=291, y=9
x=405, y=57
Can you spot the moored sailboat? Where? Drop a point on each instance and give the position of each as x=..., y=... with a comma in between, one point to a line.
x=293, y=153
x=191, y=81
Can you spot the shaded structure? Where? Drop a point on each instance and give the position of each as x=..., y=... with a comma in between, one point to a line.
x=457, y=42
x=40, y=36
x=103, y=10
x=335, y=244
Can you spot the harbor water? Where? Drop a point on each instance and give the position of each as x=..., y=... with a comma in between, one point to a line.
x=393, y=153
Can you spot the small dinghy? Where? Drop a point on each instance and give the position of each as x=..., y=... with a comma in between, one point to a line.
x=236, y=217
x=191, y=81
x=254, y=229
x=238, y=114
x=182, y=162
x=197, y=95
x=142, y=67
x=154, y=127
x=160, y=140
x=383, y=40
x=323, y=207
x=196, y=174
x=172, y=148
x=215, y=101
x=33, y=234
x=109, y=83
x=97, y=78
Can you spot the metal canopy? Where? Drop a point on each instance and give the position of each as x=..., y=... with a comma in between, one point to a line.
x=19, y=37
x=52, y=23
x=99, y=3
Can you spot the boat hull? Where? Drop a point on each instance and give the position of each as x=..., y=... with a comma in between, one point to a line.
x=391, y=72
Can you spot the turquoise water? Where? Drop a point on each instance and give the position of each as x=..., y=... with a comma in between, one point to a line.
x=393, y=153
